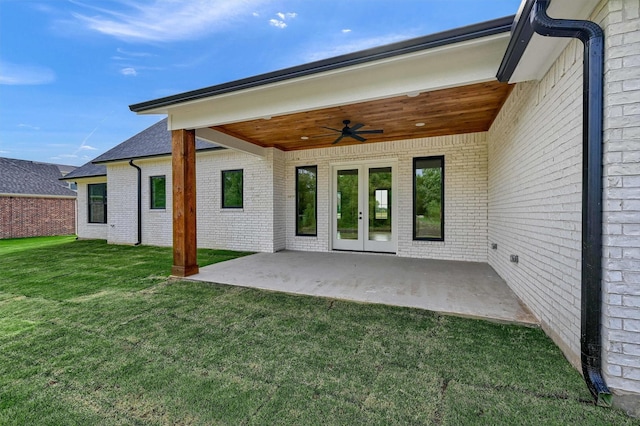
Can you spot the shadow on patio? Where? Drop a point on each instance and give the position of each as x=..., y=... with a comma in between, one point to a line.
x=460, y=288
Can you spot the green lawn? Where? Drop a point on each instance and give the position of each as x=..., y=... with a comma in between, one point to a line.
x=96, y=334
x=18, y=244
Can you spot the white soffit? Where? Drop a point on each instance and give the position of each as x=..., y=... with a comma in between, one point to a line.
x=453, y=65
x=542, y=51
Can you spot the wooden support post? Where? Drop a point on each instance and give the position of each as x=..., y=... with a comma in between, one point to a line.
x=185, y=261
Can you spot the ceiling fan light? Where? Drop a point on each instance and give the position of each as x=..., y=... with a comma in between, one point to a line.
x=304, y=138
x=419, y=124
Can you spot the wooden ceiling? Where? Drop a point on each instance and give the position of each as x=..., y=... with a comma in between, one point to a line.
x=458, y=110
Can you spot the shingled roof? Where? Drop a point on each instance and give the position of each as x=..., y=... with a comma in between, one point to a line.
x=22, y=177
x=154, y=141
x=87, y=170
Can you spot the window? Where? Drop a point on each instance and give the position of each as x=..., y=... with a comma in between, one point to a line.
x=381, y=208
x=97, y=202
x=158, y=192
x=306, y=200
x=232, y=189
x=428, y=198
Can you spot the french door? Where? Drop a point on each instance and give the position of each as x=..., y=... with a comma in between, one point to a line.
x=364, y=213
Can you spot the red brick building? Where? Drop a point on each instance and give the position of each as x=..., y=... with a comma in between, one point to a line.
x=33, y=200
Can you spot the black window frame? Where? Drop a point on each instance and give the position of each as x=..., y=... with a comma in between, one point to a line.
x=442, y=192
x=90, y=202
x=222, y=185
x=298, y=233
x=152, y=194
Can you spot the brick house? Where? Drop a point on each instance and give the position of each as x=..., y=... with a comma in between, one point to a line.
x=33, y=200
x=499, y=142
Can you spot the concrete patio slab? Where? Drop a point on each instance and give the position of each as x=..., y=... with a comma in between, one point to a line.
x=461, y=288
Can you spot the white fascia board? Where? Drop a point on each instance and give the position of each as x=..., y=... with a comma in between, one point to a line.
x=91, y=179
x=542, y=51
x=448, y=66
x=228, y=141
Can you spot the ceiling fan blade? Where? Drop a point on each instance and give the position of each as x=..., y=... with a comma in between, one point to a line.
x=368, y=132
x=358, y=138
x=331, y=128
x=356, y=127
x=338, y=140
x=322, y=135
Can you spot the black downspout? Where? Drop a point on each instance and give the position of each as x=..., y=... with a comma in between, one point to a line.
x=592, y=38
x=139, y=202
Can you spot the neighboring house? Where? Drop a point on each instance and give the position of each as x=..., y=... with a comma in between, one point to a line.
x=489, y=153
x=33, y=200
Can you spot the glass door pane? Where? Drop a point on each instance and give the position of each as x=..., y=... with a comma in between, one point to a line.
x=380, y=204
x=347, y=213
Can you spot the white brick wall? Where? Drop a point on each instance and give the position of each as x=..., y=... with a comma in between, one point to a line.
x=250, y=228
x=465, y=193
x=535, y=147
x=85, y=229
x=157, y=224
x=122, y=213
x=621, y=276
x=122, y=202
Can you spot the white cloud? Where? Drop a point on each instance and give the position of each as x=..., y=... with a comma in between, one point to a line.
x=28, y=126
x=134, y=54
x=16, y=74
x=162, y=20
x=346, y=30
x=128, y=71
x=288, y=15
x=256, y=14
x=88, y=148
x=277, y=23
x=5, y=152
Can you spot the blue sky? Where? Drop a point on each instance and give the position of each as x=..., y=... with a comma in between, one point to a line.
x=69, y=69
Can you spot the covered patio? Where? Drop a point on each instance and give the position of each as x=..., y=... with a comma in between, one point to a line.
x=440, y=85
x=468, y=289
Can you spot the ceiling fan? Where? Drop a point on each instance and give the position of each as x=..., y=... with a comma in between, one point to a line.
x=351, y=132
